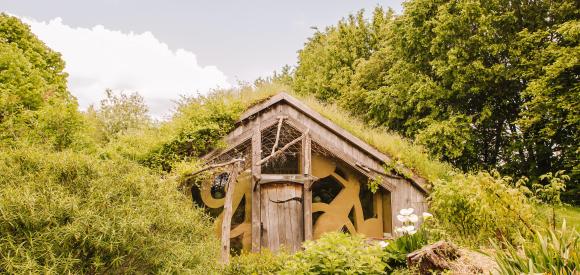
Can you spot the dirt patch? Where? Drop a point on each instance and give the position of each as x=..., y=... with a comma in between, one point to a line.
x=472, y=262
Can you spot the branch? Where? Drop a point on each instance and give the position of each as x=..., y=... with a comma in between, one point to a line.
x=266, y=159
x=280, y=120
x=213, y=166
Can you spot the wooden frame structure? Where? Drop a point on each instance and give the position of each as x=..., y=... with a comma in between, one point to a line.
x=316, y=134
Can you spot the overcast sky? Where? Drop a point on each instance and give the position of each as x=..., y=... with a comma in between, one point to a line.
x=164, y=49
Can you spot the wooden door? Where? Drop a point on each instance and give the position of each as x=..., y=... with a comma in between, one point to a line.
x=282, y=216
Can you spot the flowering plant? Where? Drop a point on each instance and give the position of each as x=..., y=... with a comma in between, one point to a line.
x=409, y=220
x=410, y=238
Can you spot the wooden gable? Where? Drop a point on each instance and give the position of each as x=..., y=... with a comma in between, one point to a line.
x=310, y=133
x=338, y=141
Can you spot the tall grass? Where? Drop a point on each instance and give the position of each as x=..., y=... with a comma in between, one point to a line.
x=557, y=252
x=67, y=212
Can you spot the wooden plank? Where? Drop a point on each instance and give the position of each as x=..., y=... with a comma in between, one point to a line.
x=307, y=192
x=227, y=214
x=264, y=225
x=281, y=195
x=289, y=217
x=256, y=171
x=298, y=221
x=273, y=237
x=272, y=178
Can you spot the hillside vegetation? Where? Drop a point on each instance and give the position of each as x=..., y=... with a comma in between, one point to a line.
x=66, y=204
x=479, y=98
x=481, y=84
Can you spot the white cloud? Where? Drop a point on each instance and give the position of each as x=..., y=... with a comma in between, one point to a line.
x=98, y=58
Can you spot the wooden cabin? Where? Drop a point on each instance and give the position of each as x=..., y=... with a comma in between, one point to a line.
x=298, y=176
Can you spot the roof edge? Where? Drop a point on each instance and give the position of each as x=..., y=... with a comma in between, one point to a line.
x=419, y=181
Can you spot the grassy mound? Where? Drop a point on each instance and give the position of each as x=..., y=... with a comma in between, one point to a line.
x=69, y=212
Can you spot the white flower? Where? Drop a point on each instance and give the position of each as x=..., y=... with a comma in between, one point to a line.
x=383, y=244
x=406, y=211
x=409, y=229
x=399, y=230
x=427, y=215
x=402, y=218
x=413, y=218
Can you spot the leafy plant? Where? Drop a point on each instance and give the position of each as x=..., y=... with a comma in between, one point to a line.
x=482, y=206
x=557, y=252
x=264, y=262
x=336, y=253
x=550, y=192
x=410, y=238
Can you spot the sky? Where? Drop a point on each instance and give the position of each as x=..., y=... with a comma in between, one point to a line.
x=164, y=49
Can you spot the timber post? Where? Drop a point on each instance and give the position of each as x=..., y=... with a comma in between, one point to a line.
x=256, y=171
x=307, y=193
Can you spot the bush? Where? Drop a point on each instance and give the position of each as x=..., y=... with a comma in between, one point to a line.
x=556, y=253
x=264, y=262
x=336, y=253
x=477, y=208
x=66, y=212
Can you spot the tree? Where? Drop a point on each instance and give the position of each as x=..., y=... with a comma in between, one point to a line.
x=118, y=114
x=482, y=84
x=35, y=104
x=327, y=62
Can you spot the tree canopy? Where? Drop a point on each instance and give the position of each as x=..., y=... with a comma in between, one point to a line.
x=481, y=84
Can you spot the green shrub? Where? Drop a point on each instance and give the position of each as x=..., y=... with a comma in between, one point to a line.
x=480, y=207
x=336, y=253
x=396, y=251
x=558, y=252
x=66, y=212
x=264, y=262
x=200, y=123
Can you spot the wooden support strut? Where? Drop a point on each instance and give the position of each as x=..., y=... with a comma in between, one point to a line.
x=256, y=174
x=227, y=217
x=307, y=191
x=266, y=159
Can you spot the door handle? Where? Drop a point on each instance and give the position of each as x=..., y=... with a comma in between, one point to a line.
x=298, y=199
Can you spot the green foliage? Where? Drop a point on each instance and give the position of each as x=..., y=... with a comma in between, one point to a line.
x=264, y=262
x=118, y=114
x=550, y=192
x=374, y=184
x=395, y=254
x=69, y=212
x=557, y=252
x=336, y=253
x=480, y=84
x=477, y=207
x=402, y=150
x=35, y=106
x=200, y=122
x=327, y=62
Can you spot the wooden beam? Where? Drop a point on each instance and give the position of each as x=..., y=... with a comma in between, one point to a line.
x=300, y=179
x=307, y=192
x=266, y=159
x=282, y=97
x=256, y=174
x=228, y=211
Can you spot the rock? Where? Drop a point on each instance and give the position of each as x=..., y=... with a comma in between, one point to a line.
x=438, y=256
